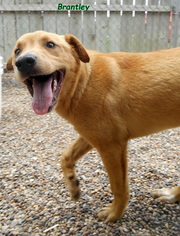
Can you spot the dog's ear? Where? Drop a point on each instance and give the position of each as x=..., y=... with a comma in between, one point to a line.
x=78, y=47
x=9, y=65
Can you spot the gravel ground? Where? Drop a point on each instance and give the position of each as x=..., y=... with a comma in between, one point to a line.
x=34, y=199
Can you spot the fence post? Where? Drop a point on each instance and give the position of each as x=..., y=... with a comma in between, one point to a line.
x=176, y=25
x=1, y=72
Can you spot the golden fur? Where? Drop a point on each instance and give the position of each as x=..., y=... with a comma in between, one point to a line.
x=109, y=99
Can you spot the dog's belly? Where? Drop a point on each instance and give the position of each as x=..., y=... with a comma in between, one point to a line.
x=152, y=121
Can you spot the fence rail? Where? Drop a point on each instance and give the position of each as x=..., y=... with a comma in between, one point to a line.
x=107, y=26
x=97, y=7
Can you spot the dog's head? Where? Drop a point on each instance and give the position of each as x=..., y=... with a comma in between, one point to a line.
x=41, y=60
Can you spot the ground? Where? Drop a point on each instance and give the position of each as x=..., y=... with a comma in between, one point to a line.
x=33, y=196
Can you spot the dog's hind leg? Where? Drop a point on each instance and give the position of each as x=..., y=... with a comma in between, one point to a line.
x=115, y=162
x=165, y=194
x=69, y=158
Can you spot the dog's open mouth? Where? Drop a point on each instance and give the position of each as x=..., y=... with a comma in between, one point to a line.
x=44, y=90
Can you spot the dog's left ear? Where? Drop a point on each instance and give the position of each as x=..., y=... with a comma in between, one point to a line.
x=9, y=65
x=78, y=47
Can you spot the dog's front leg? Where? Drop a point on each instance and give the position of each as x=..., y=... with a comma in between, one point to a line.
x=115, y=161
x=69, y=158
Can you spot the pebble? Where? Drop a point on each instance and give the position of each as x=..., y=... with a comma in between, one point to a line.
x=34, y=197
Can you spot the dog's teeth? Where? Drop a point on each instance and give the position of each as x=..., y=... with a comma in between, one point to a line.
x=55, y=85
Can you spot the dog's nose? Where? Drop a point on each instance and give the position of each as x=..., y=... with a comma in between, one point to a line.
x=26, y=63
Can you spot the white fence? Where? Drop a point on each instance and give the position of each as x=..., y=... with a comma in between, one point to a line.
x=107, y=26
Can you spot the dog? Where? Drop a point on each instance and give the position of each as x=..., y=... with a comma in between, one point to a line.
x=108, y=97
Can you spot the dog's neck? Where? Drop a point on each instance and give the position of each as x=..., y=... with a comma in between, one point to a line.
x=75, y=90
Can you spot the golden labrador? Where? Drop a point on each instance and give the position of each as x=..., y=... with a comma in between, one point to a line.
x=109, y=99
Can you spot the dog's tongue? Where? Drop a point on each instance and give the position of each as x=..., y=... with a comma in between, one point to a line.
x=42, y=95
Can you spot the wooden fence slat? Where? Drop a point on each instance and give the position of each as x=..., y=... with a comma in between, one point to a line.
x=62, y=23
x=115, y=30
x=89, y=31
x=22, y=19
x=35, y=21
x=2, y=41
x=75, y=25
x=139, y=32
x=49, y=19
x=9, y=31
x=102, y=26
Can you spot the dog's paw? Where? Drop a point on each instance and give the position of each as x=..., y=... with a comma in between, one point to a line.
x=76, y=195
x=73, y=187
x=167, y=195
x=108, y=214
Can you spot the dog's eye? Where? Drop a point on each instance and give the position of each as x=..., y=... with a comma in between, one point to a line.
x=50, y=44
x=17, y=51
